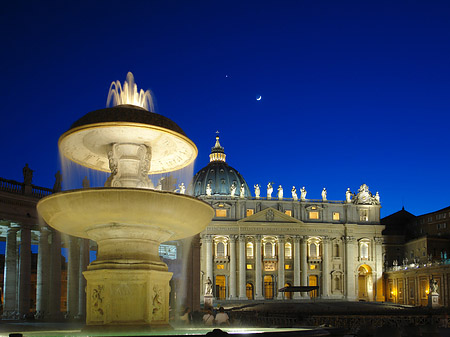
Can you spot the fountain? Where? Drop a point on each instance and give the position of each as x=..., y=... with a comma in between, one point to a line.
x=128, y=284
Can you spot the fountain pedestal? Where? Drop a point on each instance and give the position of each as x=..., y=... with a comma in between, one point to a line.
x=127, y=297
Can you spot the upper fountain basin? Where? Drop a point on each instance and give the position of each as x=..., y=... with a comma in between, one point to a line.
x=171, y=216
x=90, y=138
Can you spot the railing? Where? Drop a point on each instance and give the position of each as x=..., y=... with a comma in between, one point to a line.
x=275, y=198
x=40, y=192
x=15, y=187
x=11, y=186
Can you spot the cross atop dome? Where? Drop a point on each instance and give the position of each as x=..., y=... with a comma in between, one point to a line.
x=217, y=152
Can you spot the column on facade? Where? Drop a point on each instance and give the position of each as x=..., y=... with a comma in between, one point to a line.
x=326, y=267
x=242, y=268
x=55, y=275
x=296, y=265
x=10, y=275
x=207, y=239
x=73, y=269
x=43, y=275
x=84, y=262
x=280, y=265
x=25, y=271
x=350, y=249
x=258, y=269
x=304, y=263
x=232, y=293
x=379, y=270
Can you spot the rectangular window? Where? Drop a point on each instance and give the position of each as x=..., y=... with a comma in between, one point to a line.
x=287, y=266
x=221, y=213
x=336, y=216
x=364, y=215
x=220, y=266
x=249, y=266
x=312, y=266
x=314, y=215
x=250, y=211
x=288, y=212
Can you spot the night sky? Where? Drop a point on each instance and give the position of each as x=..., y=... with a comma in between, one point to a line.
x=352, y=92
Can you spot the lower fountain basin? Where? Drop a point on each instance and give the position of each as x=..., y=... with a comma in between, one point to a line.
x=169, y=216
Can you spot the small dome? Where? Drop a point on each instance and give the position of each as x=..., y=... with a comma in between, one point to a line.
x=219, y=175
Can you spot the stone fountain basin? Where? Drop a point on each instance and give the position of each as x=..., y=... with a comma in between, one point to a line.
x=129, y=212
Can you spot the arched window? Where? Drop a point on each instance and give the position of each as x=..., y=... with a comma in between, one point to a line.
x=220, y=249
x=288, y=250
x=314, y=247
x=364, y=249
x=249, y=250
x=220, y=244
x=268, y=249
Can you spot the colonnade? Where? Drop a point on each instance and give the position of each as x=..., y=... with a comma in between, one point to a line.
x=17, y=274
x=238, y=262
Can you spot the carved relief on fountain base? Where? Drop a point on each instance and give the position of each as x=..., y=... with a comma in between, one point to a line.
x=127, y=297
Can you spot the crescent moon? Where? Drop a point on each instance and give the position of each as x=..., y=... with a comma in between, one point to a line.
x=259, y=98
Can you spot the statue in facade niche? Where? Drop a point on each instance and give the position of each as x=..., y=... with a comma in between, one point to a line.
x=27, y=175
x=242, y=191
x=208, y=189
x=233, y=189
x=324, y=194
x=280, y=192
x=269, y=190
x=294, y=193
x=348, y=196
x=303, y=193
x=257, y=191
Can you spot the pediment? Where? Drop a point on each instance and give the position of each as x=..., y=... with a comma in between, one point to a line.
x=270, y=215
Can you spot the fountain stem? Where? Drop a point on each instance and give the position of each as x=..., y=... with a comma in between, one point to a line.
x=129, y=164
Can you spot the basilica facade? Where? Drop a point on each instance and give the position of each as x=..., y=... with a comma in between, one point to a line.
x=256, y=245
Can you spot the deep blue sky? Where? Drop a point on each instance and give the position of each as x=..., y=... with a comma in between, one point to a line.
x=352, y=91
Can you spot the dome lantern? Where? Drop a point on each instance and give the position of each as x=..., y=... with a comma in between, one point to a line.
x=217, y=152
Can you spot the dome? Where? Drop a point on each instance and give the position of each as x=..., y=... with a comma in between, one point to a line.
x=219, y=175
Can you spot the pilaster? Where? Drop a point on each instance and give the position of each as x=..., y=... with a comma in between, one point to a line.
x=242, y=268
x=281, y=279
x=232, y=267
x=258, y=269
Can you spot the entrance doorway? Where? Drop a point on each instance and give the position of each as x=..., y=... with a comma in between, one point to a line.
x=313, y=281
x=221, y=289
x=365, y=283
x=249, y=291
x=268, y=287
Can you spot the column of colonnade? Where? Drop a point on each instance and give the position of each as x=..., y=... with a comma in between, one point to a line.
x=17, y=274
x=10, y=275
x=24, y=272
x=258, y=269
x=43, y=275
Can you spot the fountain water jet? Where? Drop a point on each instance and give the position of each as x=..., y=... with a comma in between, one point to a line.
x=128, y=284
